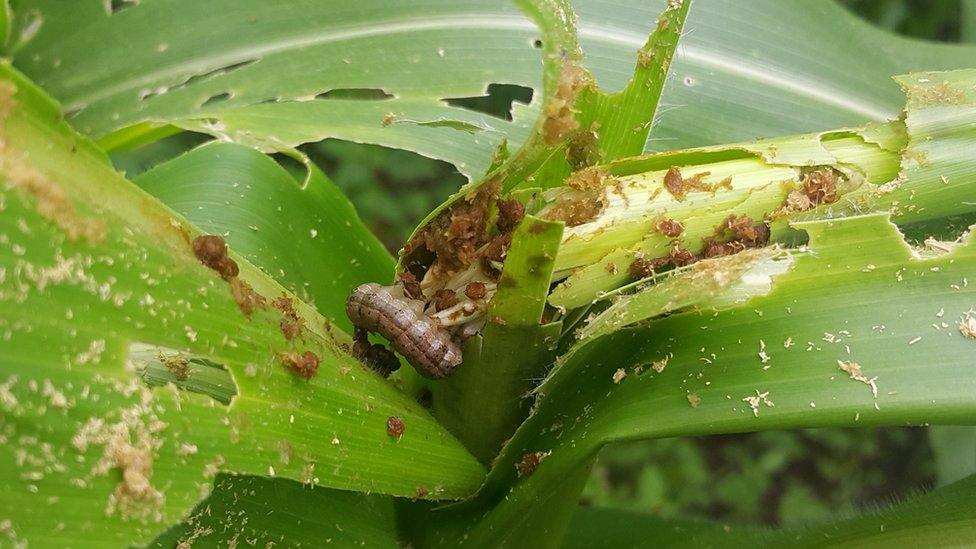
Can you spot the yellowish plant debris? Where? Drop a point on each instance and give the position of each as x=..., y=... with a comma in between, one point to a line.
x=560, y=115
x=186, y=449
x=56, y=398
x=645, y=57
x=967, y=326
x=763, y=356
x=694, y=400
x=619, y=375
x=587, y=180
x=941, y=93
x=577, y=208
x=853, y=369
x=178, y=365
x=815, y=188
x=50, y=199
x=128, y=445
x=755, y=401
x=678, y=185
x=529, y=463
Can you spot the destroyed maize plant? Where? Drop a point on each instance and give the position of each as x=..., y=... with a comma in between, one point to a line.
x=201, y=342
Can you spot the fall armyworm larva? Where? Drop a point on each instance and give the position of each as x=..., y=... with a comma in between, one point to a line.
x=425, y=345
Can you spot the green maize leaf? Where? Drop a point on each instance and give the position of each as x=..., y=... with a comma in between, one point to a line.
x=92, y=270
x=943, y=518
x=158, y=367
x=968, y=26
x=308, y=238
x=750, y=271
x=421, y=125
x=859, y=296
x=560, y=76
x=623, y=120
x=260, y=511
x=581, y=124
x=734, y=81
x=722, y=90
x=954, y=447
x=4, y=24
x=584, y=125
x=485, y=400
x=919, y=171
x=270, y=76
x=938, y=161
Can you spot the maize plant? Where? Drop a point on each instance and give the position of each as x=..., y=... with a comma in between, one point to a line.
x=705, y=221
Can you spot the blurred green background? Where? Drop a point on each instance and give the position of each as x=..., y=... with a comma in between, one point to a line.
x=772, y=478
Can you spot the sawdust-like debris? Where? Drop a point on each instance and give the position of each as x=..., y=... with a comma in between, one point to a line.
x=619, y=375
x=128, y=445
x=853, y=369
x=755, y=401
x=178, y=365
x=559, y=110
x=529, y=463
x=50, y=198
x=967, y=325
x=587, y=180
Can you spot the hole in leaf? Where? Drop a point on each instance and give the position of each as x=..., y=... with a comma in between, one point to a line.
x=226, y=69
x=364, y=94
x=219, y=98
x=140, y=159
x=158, y=366
x=453, y=124
x=947, y=229
x=497, y=101
x=115, y=6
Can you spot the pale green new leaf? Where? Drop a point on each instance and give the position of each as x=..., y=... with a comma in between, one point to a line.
x=308, y=237
x=91, y=266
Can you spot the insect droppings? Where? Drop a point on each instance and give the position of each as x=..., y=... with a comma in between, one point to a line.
x=529, y=463
x=306, y=365
x=211, y=250
x=394, y=427
x=475, y=290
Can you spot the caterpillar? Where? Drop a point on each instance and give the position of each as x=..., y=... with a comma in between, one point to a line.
x=427, y=347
